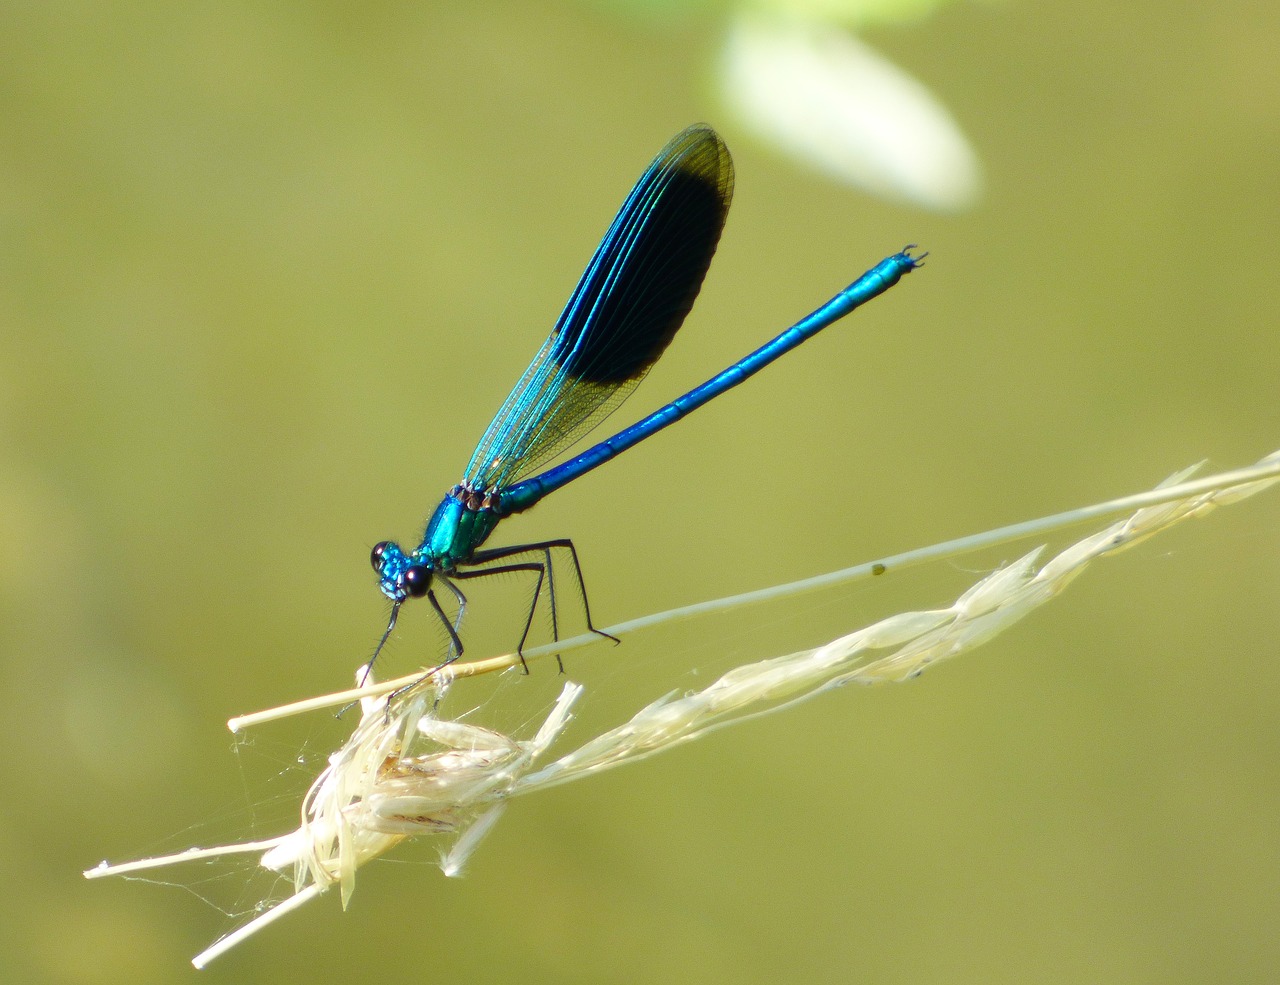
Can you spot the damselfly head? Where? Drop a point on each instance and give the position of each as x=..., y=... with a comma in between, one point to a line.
x=391, y=565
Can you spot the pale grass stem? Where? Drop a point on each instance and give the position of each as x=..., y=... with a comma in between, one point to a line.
x=405, y=772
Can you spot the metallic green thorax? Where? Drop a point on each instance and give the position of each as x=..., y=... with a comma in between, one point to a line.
x=460, y=524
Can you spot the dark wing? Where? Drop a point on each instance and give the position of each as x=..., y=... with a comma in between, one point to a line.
x=632, y=298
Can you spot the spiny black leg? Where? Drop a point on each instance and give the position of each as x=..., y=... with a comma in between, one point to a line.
x=455, y=643
x=462, y=607
x=537, y=591
x=497, y=553
x=551, y=597
x=582, y=586
x=501, y=552
x=386, y=635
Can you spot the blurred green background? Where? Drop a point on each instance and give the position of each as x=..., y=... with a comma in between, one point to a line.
x=268, y=270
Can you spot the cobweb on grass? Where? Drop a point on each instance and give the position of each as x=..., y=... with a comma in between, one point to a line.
x=274, y=771
x=257, y=870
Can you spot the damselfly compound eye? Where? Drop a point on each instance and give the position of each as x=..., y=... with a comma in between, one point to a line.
x=417, y=580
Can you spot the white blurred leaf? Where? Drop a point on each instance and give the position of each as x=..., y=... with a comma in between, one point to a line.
x=822, y=96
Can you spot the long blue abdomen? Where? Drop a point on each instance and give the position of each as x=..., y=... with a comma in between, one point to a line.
x=870, y=285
